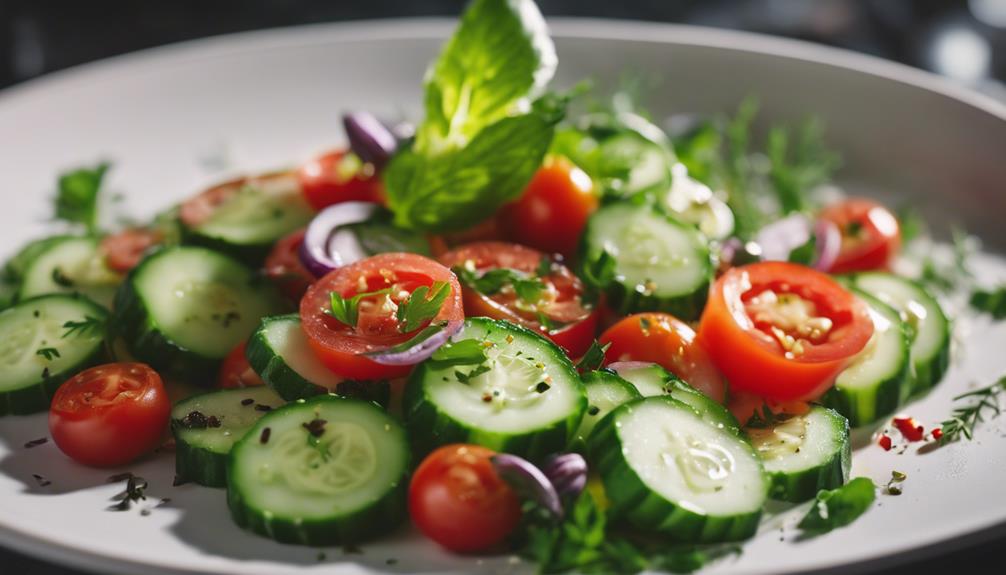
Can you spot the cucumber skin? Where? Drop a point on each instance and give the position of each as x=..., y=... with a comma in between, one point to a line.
x=804, y=485
x=430, y=428
x=273, y=370
x=198, y=464
x=632, y=501
x=249, y=254
x=38, y=398
x=379, y=518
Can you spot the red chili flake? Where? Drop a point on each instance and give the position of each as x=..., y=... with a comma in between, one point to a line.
x=937, y=433
x=885, y=442
x=910, y=428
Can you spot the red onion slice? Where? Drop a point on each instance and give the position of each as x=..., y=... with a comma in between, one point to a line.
x=420, y=347
x=369, y=138
x=783, y=236
x=621, y=367
x=324, y=248
x=828, y=244
x=528, y=481
x=568, y=474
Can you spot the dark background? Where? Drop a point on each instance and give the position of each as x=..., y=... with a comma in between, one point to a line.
x=962, y=39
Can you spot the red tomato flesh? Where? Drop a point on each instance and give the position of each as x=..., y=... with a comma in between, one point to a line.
x=338, y=176
x=125, y=249
x=284, y=268
x=236, y=372
x=871, y=236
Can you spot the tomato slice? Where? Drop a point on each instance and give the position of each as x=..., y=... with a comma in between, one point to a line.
x=235, y=371
x=457, y=499
x=339, y=176
x=553, y=210
x=570, y=322
x=781, y=330
x=199, y=208
x=284, y=267
x=341, y=347
x=125, y=249
x=110, y=414
x=871, y=236
x=663, y=339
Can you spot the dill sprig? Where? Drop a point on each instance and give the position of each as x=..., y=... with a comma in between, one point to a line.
x=962, y=422
x=89, y=325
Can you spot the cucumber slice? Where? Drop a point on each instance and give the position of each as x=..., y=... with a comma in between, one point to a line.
x=279, y=353
x=652, y=380
x=878, y=380
x=20, y=261
x=634, y=163
x=38, y=353
x=322, y=471
x=69, y=265
x=605, y=391
x=668, y=471
x=926, y=321
x=183, y=309
x=261, y=211
x=206, y=426
x=804, y=454
x=646, y=261
x=525, y=399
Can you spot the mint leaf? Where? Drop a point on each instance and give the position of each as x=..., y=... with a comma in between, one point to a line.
x=347, y=310
x=77, y=198
x=594, y=358
x=839, y=507
x=418, y=308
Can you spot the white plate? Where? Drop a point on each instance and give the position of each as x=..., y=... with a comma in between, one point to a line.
x=170, y=117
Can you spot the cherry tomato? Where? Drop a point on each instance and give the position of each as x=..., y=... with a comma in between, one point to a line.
x=236, y=372
x=871, y=236
x=284, y=268
x=457, y=499
x=571, y=322
x=341, y=347
x=110, y=414
x=338, y=176
x=781, y=330
x=553, y=210
x=125, y=249
x=199, y=208
x=745, y=405
x=663, y=339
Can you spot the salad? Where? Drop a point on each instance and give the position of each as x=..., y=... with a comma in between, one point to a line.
x=532, y=322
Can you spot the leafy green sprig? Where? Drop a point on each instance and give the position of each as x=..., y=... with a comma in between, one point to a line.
x=962, y=422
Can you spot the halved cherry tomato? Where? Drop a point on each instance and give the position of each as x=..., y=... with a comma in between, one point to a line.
x=284, y=267
x=199, y=208
x=125, y=249
x=572, y=322
x=781, y=330
x=236, y=372
x=745, y=405
x=342, y=347
x=553, y=210
x=664, y=339
x=338, y=176
x=110, y=414
x=457, y=499
x=871, y=236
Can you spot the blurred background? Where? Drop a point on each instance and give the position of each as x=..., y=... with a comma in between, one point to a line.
x=961, y=39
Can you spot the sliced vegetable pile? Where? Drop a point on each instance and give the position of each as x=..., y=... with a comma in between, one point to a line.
x=565, y=334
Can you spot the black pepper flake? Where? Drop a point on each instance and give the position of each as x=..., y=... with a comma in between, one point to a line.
x=391, y=561
x=145, y=511
x=247, y=401
x=36, y=442
x=264, y=437
x=198, y=420
x=262, y=407
x=36, y=313
x=45, y=373
x=351, y=550
x=542, y=387
x=41, y=481
x=593, y=410
x=133, y=492
x=315, y=427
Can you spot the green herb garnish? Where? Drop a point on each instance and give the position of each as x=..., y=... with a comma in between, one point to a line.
x=422, y=305
x=88, y=325
x=49, y=353
x=464, y=352
x=839, y=507
x=528, y=289
x=467, y=377
x=594, y=357
x=544, y=267
x=985, y=402
x=347, y=310
x=599, y=269
x=77, y=199
x=796, y=169
x=766, y=418
x=992, y=302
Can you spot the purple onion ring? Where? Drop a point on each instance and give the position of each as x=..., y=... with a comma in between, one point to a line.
x=828, y=244
x=369, y=138
x=318, y=251
x=420, y=350
x=783, y=236
x=568, y=474
x=621, y=367
x=528, y=481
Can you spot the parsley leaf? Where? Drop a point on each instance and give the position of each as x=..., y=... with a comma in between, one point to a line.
x=77, y=199
x=528, y=289
x=49, y=353
x=418, y=308
x=347, y=310
x=599, y=269
x=463, y=352
x=839, y=507
x=992, y=302
x=466, y=377
x=89, y=325
x=594, y=357
x=544, y=267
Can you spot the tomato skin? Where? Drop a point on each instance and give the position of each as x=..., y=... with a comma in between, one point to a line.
x=552, y=212
x=284, y=267
x=752, y=360
x=341, y=347
x=580, y=319
x=125, y=249
x=871, y=236
x=457, y=499
x=110, y=415
x=236, y=372
x=325, y=182
x=669, y=342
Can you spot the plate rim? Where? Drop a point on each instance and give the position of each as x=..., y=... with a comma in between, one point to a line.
x=242, y=43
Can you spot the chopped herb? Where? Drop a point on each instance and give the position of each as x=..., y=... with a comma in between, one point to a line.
x=347, y=310
x=262, y=407
x=198, y=420
x=417, y=309
x=45, y=373
x=962, y=422
x=315, y=427
x=247, y=401
x=528, y=289
x=992, y=302
x=467, y=377
x=225, y=320
x=542, y=387
x=911, y=223
x=593, y=410
x=544, y=267
x=594, y=357
x=644, y=323
x=795, y=171
x=36, y=442
x=89, y=325
x=41, y=481
x=766, y=418
x=49, y=353
x=599, y=269
x=263, y=438
x=61, y=279
x=838, y=507
x=135, y=486
x=892, y=486
x=464, y=352
x=77, y=199
x=378, y=391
